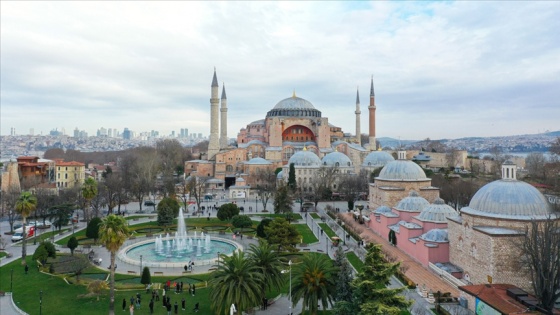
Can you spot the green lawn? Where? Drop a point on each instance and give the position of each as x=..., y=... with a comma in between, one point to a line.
x=327, y=229
x=295, y=216
x=315, y=216
x=306, y=233
x=355, y=261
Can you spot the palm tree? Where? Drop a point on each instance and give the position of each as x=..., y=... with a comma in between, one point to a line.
x=314, y=282
x=236, y=281
x=113, y=231
x=270, y=263
x=89, y=191
x=25, y=205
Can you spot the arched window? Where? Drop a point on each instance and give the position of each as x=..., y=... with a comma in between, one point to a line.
x=229, y=168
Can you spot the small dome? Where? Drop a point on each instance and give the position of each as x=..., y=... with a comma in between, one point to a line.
x=255, y=142
x=512, y=199
x=240, y=180
x=280, y=175
x=294, y=102
x=435, y=235
x=402, y=170
x=437, y=212
x=258, y=161
x=304, y=158
x=412, y=203
x=377, y=159
x=336, y=159
x=382, y=209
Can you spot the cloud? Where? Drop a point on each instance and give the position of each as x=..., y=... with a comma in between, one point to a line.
x=441, y=69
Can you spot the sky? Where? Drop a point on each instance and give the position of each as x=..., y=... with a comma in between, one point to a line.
x=441, y=69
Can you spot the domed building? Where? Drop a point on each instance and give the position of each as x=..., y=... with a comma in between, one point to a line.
x=396, y=180
x=376, y=159
x=483, y=236
x=306, y=164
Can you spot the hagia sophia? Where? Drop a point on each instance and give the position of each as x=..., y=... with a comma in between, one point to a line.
x=469, y=246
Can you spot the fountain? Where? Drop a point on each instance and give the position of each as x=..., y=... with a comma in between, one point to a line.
x=175, y=250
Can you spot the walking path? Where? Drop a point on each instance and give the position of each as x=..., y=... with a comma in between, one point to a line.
x=415, y=272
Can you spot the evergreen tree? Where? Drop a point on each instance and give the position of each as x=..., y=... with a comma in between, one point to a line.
x=292, y=178
x=92, y=230
x=227, y=211
x=167, y=211
x=72, y=244
x=371, y=295
x=260, y=228
x=146, y=277
x=282, y=234
x=283, y=200
x=344, y=277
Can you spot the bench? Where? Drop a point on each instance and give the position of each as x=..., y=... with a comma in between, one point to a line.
x=132, y=238
x=131, y=272
x=158, y=273
x=307, y=249
x=8, y=255
x=212, y=269
x=187, y=271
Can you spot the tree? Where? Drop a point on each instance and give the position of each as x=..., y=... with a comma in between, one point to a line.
x=555, y=147
x=236, y=281
x=540, y=250
x=167, y=211
x=241, y=221
x=60, y=213
x=78, y=265
x=270, y=264
x=322, y=184
x=92, y=230
x=96, y=287
x=261, y=227
x=25, y=205
x=280, y=233
x=352, y=187
x=371, y=295
x=283, y=202
x=313, y=280
x=292, y=177
x=343, y=277
x=227, y=211
x=171, y=156
x=72, y=244
x=112, y=233
x=89, y=191
x=146, y=277
x=51, y=250
x=265, y=180
x=535, y=164
x=196, y=186
x=41, y=254
x=45, y=199
x=9, y=198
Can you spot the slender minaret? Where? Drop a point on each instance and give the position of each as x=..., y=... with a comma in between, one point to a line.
x=358, y=112
x=371, y=109
x=214, y=144
x=223, y=119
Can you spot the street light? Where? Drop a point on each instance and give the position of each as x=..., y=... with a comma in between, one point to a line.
x=327, y=245
x=256, y=202
x=140, y=264
x=12, y=281
x=41, y=302
x=290, y=264
x=218, y=258
x=343, y=230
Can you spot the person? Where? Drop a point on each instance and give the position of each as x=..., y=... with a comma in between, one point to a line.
x=132, y=300
x=123, y=304
x=131, y=308
x=193, y=289
x=196, y=307
x=26, y=268
x=183, y=304
x=138, y=303
x=157, y=296
x=151, y=305
x=168, y=308
x=176, y=307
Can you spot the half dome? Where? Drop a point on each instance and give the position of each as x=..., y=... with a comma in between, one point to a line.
x=511, y=199
x=402, y=170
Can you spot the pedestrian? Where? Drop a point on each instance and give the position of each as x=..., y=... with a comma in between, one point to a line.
x=132, y=300
x=193, y=289
x=151, y=305
x=176, y=307
x=196, y=307
x=241, y=236
x=26, y=268
x=131, y=308
x=181, y=287
x=123, y=304
x=163, y=299
x=157, y=296
x=183, y=304
x=138, y=303
x=169, y=309
x=168, y=301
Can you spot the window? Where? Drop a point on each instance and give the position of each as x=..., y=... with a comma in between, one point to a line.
x=66, y=176
x=229, y=168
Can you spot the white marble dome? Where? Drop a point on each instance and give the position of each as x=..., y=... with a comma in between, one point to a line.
x=412, y=203
x=337, y=159
x=304, y=158
x=437, y=212
x=510, y=199
x=377, y=159
x=402, y=170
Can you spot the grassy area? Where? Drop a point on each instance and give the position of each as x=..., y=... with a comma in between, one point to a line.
x=315, y=216
x=3, y=254
x=327, y=229
x=355, y=261
x=295, y=216
x=306, y=233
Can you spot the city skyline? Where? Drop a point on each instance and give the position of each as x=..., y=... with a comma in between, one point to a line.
x=441, y=69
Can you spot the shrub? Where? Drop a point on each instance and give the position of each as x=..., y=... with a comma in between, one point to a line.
x=241, y=221
x=260, y=228
x=227, y=211
x=41, y=254
x=50, y=248
x=72, y=244
x=146, y=277
x=92, y=230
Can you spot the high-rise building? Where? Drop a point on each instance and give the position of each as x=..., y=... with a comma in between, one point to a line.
x=76, y=133
x=127, y=134
x=31, y=131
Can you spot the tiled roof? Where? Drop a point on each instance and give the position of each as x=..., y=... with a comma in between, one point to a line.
x=495, y=295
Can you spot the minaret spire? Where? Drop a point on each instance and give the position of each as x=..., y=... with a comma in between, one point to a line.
x=371, y=91
x=214, y=141
x=223, y=119
x=358, y=112
x=371, y=109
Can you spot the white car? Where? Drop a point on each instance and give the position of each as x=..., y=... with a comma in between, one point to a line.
x=44, y=225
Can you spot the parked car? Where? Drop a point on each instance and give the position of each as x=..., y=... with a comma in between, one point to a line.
x=149, y=203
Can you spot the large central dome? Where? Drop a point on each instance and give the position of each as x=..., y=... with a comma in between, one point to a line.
x=294, y=107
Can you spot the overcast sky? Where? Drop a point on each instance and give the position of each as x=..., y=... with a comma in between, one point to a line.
x=441, y=69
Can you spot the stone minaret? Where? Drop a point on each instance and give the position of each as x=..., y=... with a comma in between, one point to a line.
x=214, y=144
x=358, y=112
x=223, y=119
x=371, y=109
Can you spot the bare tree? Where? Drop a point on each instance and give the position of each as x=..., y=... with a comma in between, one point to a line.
x=535, y=164
x=541, y=250
x=352, y=186
x=265, y=184
x=322, y=184
x=197, y=188
x=172, y=156
x=9, y=199
x=555, y=147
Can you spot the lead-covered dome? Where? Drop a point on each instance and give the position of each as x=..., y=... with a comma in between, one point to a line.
x=402, y=170
x=511, y=199
x=304, y=158
x=336, y=159
x=437, y=212
x=258, y=161
x=294, y=106
x=435, y=235
x=412, y=203
x=377, y=159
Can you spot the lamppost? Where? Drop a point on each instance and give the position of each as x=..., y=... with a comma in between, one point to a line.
x=140, y=264
x=53, y=233
x=256, y=202
x=35, y=230
x=327, y=243
x=12, y=281
x=343, y=230
x=360, y=207
x=218, y=258
x=290, y=264
x=41, y=302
